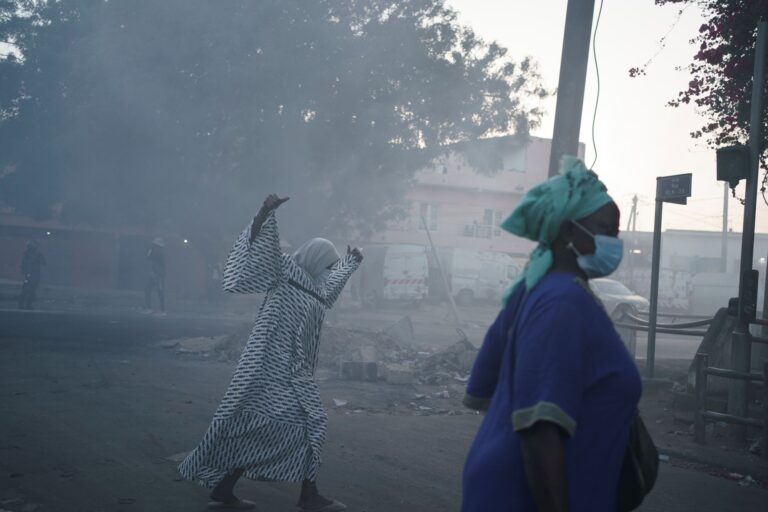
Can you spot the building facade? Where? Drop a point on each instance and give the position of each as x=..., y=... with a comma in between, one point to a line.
x=463, y=208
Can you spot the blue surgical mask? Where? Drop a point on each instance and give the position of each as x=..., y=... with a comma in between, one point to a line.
x=605, y=260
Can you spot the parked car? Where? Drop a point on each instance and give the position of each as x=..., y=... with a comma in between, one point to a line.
x=616, y=297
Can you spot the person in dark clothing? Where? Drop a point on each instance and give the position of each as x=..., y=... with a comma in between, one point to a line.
x=156, y=279
x=31, y=267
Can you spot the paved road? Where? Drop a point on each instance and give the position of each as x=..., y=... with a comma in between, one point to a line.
x=88, y=424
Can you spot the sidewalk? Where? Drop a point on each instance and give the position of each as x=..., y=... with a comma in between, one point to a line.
x=720, y=456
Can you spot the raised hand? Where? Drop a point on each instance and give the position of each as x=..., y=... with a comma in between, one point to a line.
x=356, y=253
x=271, y=203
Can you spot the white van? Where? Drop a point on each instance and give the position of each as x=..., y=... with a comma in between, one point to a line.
x=393, y=273
x=477, y=276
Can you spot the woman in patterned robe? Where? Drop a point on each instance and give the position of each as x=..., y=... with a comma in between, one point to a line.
x=271, y=425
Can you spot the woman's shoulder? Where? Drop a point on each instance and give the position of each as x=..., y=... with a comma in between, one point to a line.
x=562, y=293
x=562, y=286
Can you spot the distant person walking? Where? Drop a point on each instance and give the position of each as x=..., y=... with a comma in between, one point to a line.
x=31, y=267
x=156, y=279
x=270, y=425
x=559, y=387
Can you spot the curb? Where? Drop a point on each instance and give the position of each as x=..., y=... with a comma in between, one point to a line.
x=762, y=473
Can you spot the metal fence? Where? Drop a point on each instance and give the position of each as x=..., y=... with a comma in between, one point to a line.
x=702, y=415
x=630, y=324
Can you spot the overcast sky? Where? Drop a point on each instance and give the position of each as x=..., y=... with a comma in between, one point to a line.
x=638, y=137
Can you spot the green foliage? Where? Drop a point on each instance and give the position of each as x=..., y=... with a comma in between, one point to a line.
x=721, y=71
x=186, y=113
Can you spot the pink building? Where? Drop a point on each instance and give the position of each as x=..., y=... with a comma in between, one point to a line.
x=464, y=208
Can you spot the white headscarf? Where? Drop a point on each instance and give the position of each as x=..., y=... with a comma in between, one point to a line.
x=315, y=256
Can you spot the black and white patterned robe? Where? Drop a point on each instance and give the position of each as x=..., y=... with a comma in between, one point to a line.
x=271, y=420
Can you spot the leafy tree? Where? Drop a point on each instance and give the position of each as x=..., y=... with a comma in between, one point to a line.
x=186, y=113
x=721, y=71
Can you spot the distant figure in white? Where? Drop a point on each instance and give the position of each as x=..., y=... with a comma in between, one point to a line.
x=271, y=425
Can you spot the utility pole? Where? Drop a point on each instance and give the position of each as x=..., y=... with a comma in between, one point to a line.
x=570, y=87
x=742, y=346
x=443, y=277
x=724, y=241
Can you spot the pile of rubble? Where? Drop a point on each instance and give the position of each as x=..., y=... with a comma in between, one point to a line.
x=451, y=364
x=389, y=355
x=360, y=355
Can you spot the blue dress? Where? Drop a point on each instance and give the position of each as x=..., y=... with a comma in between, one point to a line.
x=561, y=361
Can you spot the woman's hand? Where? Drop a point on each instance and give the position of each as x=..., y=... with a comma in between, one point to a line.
x=544, y=460
x=271, y=203
x=356, y=253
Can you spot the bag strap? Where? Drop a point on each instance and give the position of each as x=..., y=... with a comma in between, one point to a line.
x=306, y=290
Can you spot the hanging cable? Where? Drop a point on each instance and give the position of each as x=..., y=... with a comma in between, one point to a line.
x=597, y=72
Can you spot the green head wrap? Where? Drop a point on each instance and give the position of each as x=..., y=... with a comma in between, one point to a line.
x=574, y=194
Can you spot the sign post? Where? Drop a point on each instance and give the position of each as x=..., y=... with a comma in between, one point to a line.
x=669, y=189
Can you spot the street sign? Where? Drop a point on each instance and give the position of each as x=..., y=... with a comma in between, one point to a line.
x=674, y=189
x=669, y=189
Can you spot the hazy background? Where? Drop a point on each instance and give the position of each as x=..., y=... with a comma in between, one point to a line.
x=638, y=136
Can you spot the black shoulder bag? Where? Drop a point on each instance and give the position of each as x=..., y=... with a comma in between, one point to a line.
x=640, y=467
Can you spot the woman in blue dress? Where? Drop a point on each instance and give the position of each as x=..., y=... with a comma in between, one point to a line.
x=558, y=386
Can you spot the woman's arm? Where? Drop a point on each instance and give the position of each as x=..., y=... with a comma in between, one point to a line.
x=341, y=275
x=544, y=460
x=255, y=261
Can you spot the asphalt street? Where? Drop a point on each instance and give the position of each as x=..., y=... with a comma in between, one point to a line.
x=94, y=413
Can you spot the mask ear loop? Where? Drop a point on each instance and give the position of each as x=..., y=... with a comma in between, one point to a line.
x=570, y=244
x=573, y=248
x=578, y=225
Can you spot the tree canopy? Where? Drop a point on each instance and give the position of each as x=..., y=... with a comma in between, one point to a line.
x=184, y=114
x=721, y=71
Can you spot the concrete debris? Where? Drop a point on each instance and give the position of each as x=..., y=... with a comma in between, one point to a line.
x=399, y=374
x=747, y=481
x=401, y=331
x=360, y=355
x=445, y=365
x=169, y=343
x=355, y=370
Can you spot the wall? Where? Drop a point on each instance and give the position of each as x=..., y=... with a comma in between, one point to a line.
x=463, y=207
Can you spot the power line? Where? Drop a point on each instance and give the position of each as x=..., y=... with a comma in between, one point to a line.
x=597, y=72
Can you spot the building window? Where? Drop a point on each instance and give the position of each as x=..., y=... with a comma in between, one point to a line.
x=428, y=212
x=497, y=223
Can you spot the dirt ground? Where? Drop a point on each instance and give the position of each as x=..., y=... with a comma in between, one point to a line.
x=96, y=410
